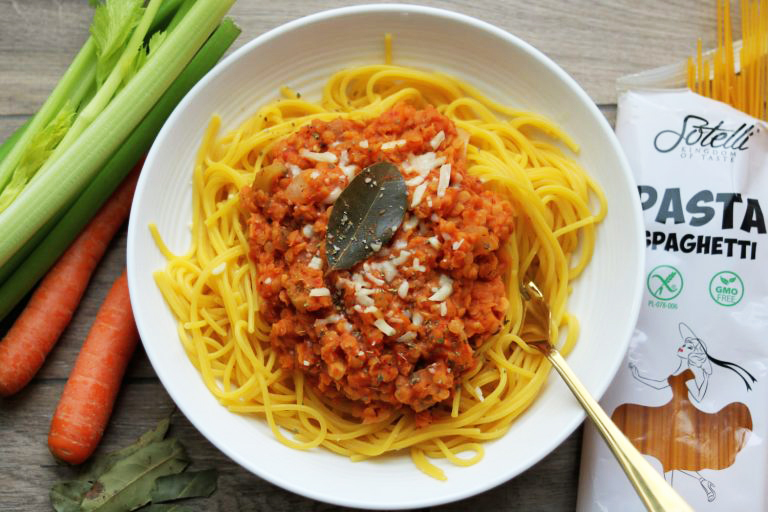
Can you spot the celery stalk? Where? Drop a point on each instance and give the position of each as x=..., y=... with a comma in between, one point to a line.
x=74, y=90
x=21, y=279
x=82, y=67
x=104, y=94
x=66, y=177
x=184, y=7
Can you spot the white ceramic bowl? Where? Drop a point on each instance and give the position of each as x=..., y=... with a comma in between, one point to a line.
x=302, y=54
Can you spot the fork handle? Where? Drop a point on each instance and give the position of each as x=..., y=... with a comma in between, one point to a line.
x=653, y=490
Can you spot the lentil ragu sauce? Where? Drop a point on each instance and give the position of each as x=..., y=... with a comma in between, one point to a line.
x=399, y=329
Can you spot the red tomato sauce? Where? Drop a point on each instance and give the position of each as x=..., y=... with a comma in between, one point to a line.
x=397, y=331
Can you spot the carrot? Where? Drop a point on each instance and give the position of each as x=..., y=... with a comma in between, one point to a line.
x=89, y=395
x=50, y=309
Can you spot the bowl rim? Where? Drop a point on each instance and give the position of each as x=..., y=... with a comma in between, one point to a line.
x=635, y=222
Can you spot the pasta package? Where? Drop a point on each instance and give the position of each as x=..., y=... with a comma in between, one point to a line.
x=692, y=394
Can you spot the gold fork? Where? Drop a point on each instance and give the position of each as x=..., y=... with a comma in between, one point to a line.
x=654, y=491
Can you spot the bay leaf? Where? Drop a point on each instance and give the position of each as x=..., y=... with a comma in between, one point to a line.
x=166, y=507
x=366, y=215
x=127, y=484
x=101, y=464
x=66, y=496
x=191, y=484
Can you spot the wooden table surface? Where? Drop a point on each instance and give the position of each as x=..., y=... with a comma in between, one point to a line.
x=596, y=41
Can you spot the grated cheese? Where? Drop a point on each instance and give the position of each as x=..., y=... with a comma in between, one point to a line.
x=409, y=336
x=384, y=327
x=330, y=319
x=418, y=194
x=456, y=245
x=423, y=163
x=319, y=292
x=445, y=290
x=364, y=143
x=315, y=263
x=418, y=266
x=402, y=290
x=363, y=299
x=410, y=223
x=417, y=319
x=332, y=196
x=444, y=180
x=219, y=268
x=437, y=139
x=443, y=309
x=434, y=242
x=402, y=258
x=327, y=156
x=392, y=144
x=387, y=268
x=418, y=180
x=374, y=279
x=348, y=170
x=308, y=230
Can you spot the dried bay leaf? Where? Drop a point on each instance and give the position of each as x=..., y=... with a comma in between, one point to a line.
x=366, y=215
x=127, y=484
x=165, y=507
x=103, y=463
x=67, y=496
x=132, y=477
x=191, y=484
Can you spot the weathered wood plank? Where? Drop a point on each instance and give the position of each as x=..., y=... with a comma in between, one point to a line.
x=595, y=41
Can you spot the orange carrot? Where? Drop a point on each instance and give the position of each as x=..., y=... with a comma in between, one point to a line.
x=55, y=300
x=89, y=395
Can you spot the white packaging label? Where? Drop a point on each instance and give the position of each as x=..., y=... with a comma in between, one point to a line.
x=692, y=394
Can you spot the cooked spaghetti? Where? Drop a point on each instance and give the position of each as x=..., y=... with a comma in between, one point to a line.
x=535, y=215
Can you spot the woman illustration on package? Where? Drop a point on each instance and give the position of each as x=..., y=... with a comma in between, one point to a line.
x=681, y=436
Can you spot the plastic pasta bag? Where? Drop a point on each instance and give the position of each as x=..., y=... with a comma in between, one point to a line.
x=692, y=394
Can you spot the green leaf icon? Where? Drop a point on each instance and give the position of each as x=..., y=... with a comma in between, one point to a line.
x=723, y=280
x=731, y=279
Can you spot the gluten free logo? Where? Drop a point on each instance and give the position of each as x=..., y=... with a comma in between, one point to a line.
x=665, y=282
x=726, y=288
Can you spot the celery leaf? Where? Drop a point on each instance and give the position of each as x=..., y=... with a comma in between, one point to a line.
x=145, y=52
x=113, y=22
x=36, y=153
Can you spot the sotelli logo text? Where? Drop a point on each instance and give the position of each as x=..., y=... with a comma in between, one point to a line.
x=699, y=132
